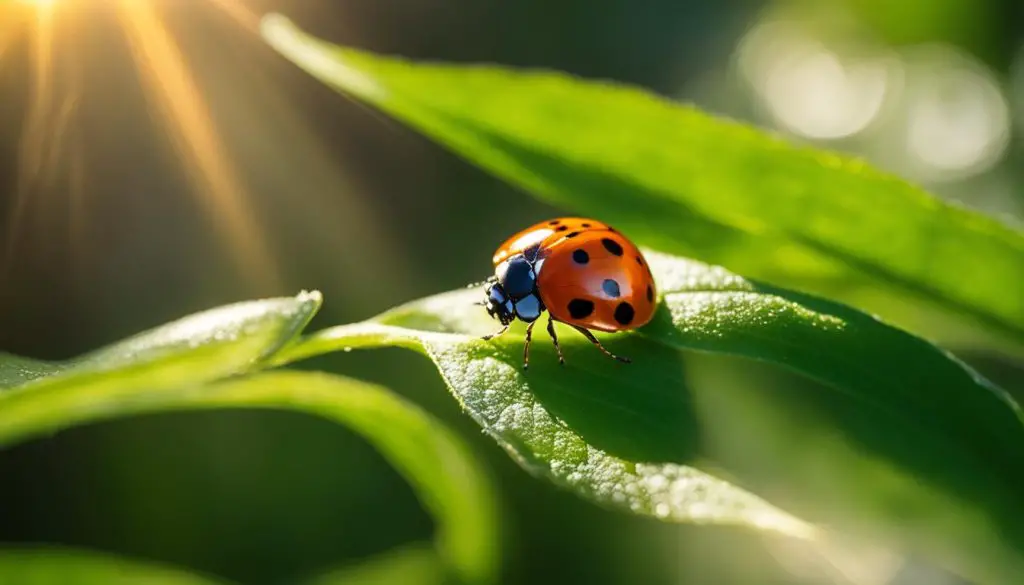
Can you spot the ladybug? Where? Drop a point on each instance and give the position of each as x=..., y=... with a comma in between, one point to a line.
x=582, y=271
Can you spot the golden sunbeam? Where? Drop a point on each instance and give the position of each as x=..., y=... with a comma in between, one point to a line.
x=51, y=153
x=76, y=194
x=210, y=140
x=32, y=151
x=334, y=212
x=74, y=147
x=186, y=116
x=9, y=32
x=242, y=16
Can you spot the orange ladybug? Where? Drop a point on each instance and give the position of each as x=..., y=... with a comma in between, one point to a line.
x=583, y=272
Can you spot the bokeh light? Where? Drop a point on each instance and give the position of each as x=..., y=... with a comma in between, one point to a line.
x=810, y=90
x=932, y=112
x=956, y=119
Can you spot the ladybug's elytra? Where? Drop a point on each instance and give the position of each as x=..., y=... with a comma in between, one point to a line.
x=582, y=271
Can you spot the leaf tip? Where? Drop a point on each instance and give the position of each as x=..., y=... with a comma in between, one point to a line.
x=317, y=58
x=272, y=25
x=307, y=305
x=313, y=298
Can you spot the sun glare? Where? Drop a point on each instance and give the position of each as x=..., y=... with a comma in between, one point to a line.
x=184, y=112
x=177, y=102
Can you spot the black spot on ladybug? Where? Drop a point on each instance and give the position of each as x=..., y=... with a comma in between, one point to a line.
x=561, y=228
x=572, y=234
x=624, y=313
x=640, y=261
x=611, y=229
x=582, y=308
x=554, y=222
x=585, y=225
x=580, y=256
x=612, y=246
x=610, y=288
x=650, y=294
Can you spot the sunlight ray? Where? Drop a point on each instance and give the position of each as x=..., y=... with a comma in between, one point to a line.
x=76, y=163
x=214, y=143
x=245, y=18
x=9, y=32
x=32, y=152
x=185, y=114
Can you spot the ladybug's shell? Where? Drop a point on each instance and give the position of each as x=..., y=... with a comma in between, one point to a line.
x=544, y=235
x=588, y=274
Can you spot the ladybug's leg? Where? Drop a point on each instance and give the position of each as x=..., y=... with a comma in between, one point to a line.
x=590, y=336
x=551, y=332
x=526, y=347
x=493, y=335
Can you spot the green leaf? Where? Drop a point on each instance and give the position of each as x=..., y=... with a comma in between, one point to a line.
x=16, y=370
x=244, y=332
x=895, y=423
x=684, y=182
x=443, y=472
x=173, y=367
x=62, y=566
x=204, y=346
x=412, y=565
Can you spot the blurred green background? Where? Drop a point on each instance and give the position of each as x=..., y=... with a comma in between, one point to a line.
x=156, y=158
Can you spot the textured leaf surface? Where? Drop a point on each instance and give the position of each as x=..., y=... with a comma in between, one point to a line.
x=684, y=182
x=243, y=332
x=900, y=424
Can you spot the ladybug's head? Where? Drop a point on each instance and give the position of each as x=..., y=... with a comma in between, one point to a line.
x=499, y=305
x=512, y=291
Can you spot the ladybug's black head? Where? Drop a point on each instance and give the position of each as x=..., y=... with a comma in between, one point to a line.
x=499, y=306
x=512, y=292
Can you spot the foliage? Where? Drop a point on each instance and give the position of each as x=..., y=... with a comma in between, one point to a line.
x=681, y=181
x=897, y=423
x=201, y=362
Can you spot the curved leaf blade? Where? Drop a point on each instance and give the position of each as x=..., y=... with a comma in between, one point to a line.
x=412, y=565
x=443, y=472
x=489, y=384
x=243, y=333
x=276, y=320
x=204, y=346
x=684, y=182
x=709, y=309
x=937, y=439
x=16, y=370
